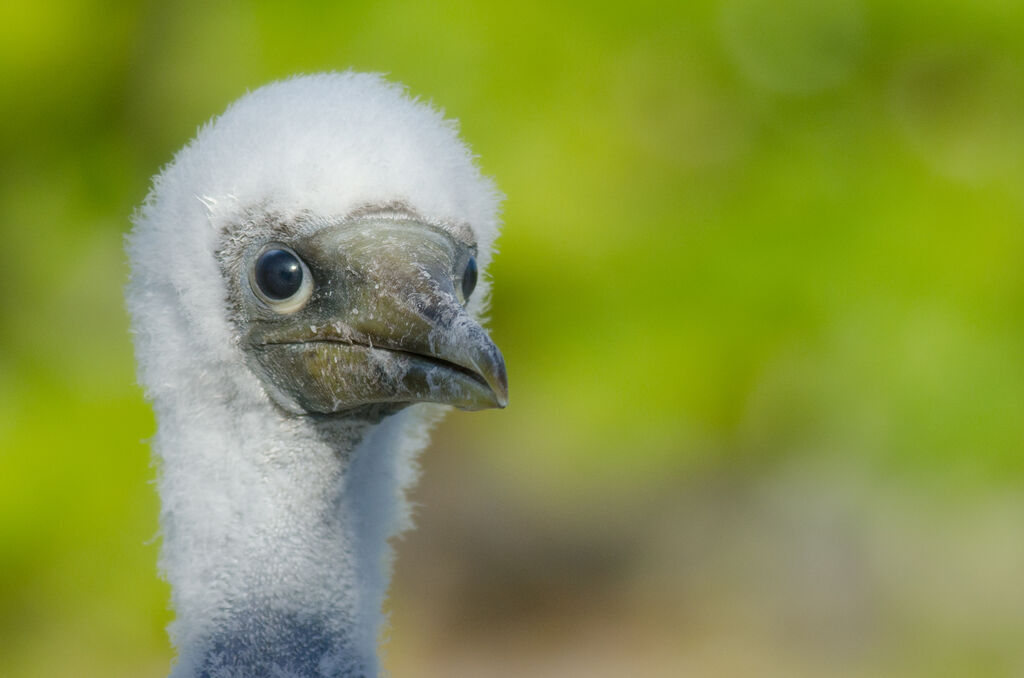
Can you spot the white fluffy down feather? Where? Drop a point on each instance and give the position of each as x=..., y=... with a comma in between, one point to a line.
x=275, y=526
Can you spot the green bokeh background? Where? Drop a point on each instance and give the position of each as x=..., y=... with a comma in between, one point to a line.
x=760, y=291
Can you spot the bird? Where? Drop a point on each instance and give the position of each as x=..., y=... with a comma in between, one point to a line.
x=308, y=282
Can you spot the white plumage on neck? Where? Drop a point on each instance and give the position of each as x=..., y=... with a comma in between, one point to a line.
x=282, y=519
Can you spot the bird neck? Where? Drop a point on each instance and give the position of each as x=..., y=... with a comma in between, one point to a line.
x=275, y=539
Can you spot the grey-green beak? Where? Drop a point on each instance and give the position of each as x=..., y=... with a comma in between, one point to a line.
x=383, y=324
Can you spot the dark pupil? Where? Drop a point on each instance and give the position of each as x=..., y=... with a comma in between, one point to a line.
x=278, y=273
x=469, y=278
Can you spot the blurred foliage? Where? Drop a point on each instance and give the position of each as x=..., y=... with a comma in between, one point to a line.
x=739, y=235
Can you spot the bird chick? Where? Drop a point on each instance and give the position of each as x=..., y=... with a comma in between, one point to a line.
x=307, y=277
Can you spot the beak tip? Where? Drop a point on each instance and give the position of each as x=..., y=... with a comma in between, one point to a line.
x=499, y=385
x=492, y=371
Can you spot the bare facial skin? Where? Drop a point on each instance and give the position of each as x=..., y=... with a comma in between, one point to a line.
x=366, y=311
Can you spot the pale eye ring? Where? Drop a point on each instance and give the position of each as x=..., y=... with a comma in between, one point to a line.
x=280, y=279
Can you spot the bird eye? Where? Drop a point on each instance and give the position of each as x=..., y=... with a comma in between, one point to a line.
x=469, y=279
x=281, y=280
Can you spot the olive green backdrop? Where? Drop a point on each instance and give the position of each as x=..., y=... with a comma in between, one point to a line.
x=760, y=292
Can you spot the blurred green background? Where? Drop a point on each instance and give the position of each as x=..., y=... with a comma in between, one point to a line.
x=760, y=291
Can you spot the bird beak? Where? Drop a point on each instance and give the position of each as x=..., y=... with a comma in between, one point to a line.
x=384, y=325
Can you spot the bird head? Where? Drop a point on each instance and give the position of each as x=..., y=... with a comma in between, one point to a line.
x=331, y=235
